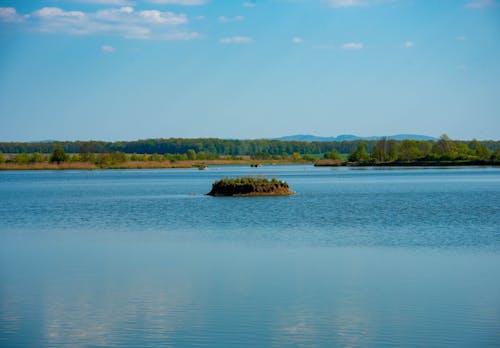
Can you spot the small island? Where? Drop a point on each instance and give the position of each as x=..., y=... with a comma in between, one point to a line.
x=250, y=186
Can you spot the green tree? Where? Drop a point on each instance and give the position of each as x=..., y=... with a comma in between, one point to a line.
x=380, y=150
x=2, y=158
x=333, y=155
x=75, y=158
x=191, y=154
x=409, y=151
x=119, y=157
x=138, y=157
x=359, y=155
x=58, y=155
x=156, y=157
x=103, y=159
x=424, y=147
x=443, y=148
x=296, y=156
x=495, y=156
x=461, y=151
x=22, y=158
x=392, y=150
x=480, y=150
x=308, y=158
x=87, y=157
x=36, y=157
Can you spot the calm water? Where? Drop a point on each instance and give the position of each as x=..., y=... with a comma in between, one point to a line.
x=406, y=257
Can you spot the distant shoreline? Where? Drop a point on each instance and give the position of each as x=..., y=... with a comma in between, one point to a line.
x=458, y=163
x=140, y=164
x=195, y=164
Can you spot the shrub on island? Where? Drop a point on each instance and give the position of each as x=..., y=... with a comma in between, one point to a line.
x=250, y=186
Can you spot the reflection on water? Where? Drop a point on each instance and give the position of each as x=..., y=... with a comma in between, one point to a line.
x=167, y=294
x=356, y=258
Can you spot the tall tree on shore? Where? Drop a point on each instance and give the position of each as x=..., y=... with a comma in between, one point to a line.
x=380, y=150
x=191, y=154
x=58, y=155
x=480, y=150
x=359, y=155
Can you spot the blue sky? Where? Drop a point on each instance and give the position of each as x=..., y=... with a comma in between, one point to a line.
x=131, y=69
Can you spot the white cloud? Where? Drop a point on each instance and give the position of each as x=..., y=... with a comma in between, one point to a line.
x=108, y=49
x=107, y=2
x=123, y=21
x=157, y=17
x=346, y=3
x=462, y=67
x=478, y=4
x=297, y=40
x=461, y=38
x=408, y=44
x=54, y=12
x=224, y=19
x=179, y=2
x=249, y=4
x=356, y=3
x=353, y=46
x=114, y=14
x=236, y=40
x=9, y=14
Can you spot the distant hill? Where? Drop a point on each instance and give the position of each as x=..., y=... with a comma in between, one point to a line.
x=350, y=137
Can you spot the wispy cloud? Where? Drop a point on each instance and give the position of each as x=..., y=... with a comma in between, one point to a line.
x=408, y=44
x=249, y=4
x=351, y=46
x=106, y=2
x=123, y=21
x=10, y=15
x=462, y=67
x=461, y=38
x=224, y=19
x=478, y=4
x=346, y=3
x=134, y=2
x=236, y=40
x=108, y=49
x=179, y=2
x=297, y=40
x=356, y=3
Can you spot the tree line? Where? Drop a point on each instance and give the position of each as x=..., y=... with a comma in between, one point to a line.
x=380, y=152
x=442, y=150
x=223, y=147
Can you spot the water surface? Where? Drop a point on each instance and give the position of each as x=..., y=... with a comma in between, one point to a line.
x=358, y=257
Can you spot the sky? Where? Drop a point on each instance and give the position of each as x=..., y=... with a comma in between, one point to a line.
x=132, y=69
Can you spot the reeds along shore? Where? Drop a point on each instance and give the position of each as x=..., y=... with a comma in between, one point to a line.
x=135, y=164
x=255, y=164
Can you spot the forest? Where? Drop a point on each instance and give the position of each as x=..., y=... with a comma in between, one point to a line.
x=204, y=149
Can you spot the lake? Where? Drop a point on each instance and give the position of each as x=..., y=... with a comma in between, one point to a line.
x=357, y=257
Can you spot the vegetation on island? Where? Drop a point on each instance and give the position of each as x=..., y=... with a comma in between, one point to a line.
x=188, y=153
x=250, y=186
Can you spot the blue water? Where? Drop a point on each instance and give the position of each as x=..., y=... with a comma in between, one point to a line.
x=357, y=257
